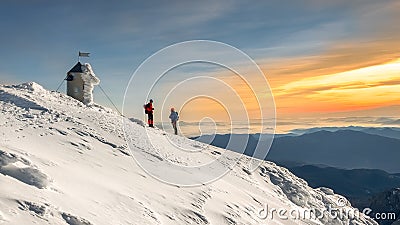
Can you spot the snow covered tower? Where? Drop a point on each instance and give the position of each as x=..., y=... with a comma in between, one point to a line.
x=80, y=83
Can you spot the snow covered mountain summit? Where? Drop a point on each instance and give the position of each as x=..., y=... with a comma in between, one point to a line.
x=62, y=162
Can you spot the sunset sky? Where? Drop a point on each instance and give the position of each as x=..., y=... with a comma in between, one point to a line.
x=321, y=58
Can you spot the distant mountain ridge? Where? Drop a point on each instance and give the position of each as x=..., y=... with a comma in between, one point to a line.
x=392, y=132
x=349, y=147
x=350, y=183
x=344, y=149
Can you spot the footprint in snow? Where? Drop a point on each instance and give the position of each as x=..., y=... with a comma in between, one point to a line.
x=36, y=209
x=216, y=153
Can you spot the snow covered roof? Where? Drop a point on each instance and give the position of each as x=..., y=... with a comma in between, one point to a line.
x=76, y=69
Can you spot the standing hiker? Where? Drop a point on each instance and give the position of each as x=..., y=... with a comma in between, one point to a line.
x=174, y=118
x=148, y=109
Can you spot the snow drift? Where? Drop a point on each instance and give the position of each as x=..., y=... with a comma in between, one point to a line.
x=62, y=162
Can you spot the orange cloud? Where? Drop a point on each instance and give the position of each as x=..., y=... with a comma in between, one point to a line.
x=351, y=90
x=347, y=77
x=338, y=58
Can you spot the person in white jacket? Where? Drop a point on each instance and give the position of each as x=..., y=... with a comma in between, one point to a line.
x=174, y=118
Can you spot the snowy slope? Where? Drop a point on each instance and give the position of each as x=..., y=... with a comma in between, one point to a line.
x=62, y=162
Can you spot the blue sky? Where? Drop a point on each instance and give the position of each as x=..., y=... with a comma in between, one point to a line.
x=40, y=39
x=45, y=36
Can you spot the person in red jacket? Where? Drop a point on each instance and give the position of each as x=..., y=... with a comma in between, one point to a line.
x=148, y=109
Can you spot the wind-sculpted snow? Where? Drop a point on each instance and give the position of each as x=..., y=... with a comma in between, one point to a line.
x=70, y=164
x=298, y=192
x=23, y=171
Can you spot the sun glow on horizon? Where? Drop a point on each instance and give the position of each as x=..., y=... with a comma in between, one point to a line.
x=362, y=88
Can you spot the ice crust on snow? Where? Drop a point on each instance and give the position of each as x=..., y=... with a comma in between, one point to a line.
x=88, y=175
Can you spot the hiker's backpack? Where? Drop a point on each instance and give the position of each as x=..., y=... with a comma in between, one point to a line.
x=147, y=109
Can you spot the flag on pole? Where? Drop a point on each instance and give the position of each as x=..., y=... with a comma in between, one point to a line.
x=84, y=54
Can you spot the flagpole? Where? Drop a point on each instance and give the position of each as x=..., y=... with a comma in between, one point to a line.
x=79, y=55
